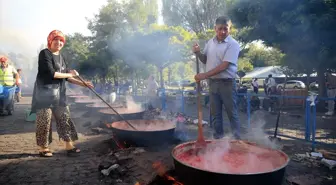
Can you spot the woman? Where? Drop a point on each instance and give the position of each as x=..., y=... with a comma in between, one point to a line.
x=49, y=97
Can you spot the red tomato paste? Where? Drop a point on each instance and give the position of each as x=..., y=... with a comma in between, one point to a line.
x=233, y=158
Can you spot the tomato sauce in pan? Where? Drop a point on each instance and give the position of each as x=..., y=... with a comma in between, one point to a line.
x=234, y=159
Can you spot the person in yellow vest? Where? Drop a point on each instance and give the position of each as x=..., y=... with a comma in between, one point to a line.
x=7, y=73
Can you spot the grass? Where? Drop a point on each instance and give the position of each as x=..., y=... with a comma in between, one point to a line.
x=186, y=88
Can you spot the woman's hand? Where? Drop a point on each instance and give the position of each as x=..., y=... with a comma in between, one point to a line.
x=74, y=73
x=88, y=84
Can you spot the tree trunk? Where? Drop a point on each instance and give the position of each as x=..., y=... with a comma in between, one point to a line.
x=133, y=80
x=169, y=75
x=161, y=78
x=322, y=90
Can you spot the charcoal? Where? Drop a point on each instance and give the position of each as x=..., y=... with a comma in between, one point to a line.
x=104, y=165
x=87, y=124
x=122, y=171
x=97, y=130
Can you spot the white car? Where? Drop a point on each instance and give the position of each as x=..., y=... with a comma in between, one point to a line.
x=292, y=84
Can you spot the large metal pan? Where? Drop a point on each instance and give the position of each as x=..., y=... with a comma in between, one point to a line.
x=109, y=115
x=211, y=165
x=81, y=103
x=73, y=98
x=101, y=105
x=148, y=133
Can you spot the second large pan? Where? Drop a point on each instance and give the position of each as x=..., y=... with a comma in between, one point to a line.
x=148, y=133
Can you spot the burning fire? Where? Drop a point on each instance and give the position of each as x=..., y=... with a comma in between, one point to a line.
x=161, y=171
x=119, y=145
x=108, y=125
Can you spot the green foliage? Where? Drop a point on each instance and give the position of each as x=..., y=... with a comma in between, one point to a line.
x=302, y=29
x=244, y=64
x=197, y=15
x=76, y=49
x=115, y=21
x=259, y=55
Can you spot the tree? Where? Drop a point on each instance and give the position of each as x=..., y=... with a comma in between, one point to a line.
x=160, y=46
x=260, y=56
x=76, y=49
x=302, y=29
x=115, y=21
x=244, y=64
x=196, y=15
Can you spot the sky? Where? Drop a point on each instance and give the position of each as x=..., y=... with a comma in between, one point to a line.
x=25, y=24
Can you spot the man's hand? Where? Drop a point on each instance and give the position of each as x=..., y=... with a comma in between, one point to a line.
x=196, y=48
x=200, y=76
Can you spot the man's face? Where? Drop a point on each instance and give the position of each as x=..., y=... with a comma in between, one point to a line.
x=222, y=31
x=3, y=64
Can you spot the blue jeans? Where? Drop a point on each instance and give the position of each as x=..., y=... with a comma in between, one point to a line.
x=224, y=92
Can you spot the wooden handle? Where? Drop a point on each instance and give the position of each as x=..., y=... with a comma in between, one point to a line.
x=199, y=106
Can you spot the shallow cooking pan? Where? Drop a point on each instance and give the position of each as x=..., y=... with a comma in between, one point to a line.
x=73, y=98
x=109, y=115
x=148, y=133
x=81, y=103
x=229, y=162
x=100, y=105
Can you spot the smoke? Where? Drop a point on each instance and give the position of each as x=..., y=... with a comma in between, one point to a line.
x=155, y=48
x=226, y=155
x=256, y=131
x=132, y=106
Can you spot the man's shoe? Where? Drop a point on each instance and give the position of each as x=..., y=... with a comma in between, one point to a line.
x=217, y=136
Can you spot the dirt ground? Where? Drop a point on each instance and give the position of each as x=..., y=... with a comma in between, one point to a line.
x=20, y=164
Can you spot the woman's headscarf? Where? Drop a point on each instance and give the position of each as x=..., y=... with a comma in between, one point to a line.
x=54, y=34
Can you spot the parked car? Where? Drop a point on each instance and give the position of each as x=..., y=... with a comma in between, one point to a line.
x=247, y=84
x=292, y=84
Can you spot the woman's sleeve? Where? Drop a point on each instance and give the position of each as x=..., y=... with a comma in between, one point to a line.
x=45, y=64
x=67, y=69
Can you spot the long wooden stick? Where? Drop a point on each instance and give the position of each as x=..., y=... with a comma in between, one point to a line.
x=200, y=138
x=81, y=79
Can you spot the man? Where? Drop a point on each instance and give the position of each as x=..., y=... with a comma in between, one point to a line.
x=7, y=73
x=152, y=87
x=265, y=86
x=255, y=85
x=19, y=85
x=271, y=85
x=331, y=92
x=221, y=58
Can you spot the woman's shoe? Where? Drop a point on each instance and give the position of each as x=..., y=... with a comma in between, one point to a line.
x=45, y=153
x=73, y=152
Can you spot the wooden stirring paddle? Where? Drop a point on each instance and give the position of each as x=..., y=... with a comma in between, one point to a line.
x=200, y=143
